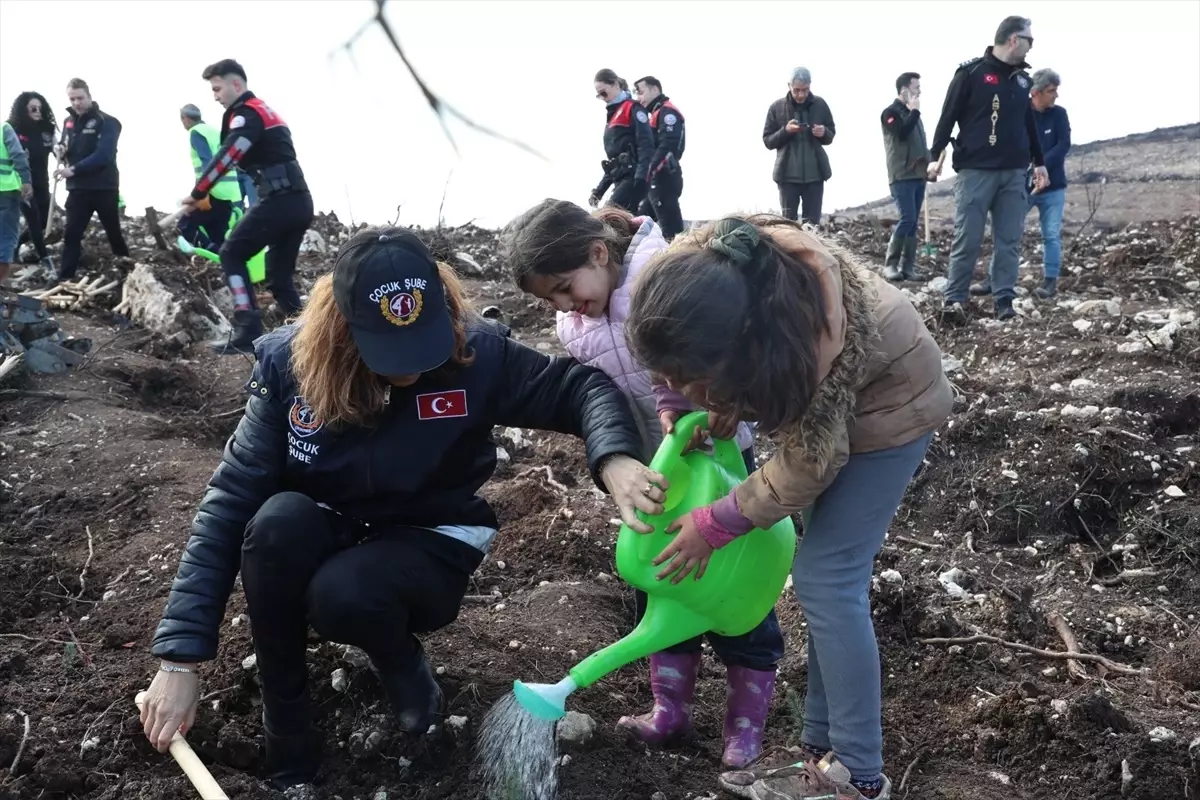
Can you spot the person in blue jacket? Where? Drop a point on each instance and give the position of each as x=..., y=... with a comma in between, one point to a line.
x=89, y=165
x=347, y=496
x=1054, y=133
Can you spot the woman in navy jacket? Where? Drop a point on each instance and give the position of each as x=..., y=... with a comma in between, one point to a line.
x=347, y=496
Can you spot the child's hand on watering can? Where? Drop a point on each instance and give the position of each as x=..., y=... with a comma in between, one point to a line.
x=687, y=551
x=720, y=426
x=634, y=487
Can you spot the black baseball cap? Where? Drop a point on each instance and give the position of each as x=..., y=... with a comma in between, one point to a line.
x=387, y=286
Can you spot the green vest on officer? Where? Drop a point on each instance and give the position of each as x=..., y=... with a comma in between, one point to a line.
x=227, y=187
x=10, y=180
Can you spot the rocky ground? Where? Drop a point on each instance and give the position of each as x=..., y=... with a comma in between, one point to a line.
x=1058, y=508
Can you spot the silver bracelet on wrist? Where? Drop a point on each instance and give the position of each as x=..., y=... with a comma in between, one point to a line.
x=173, y=668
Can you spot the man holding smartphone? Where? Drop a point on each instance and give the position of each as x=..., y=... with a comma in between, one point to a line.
x=798, y=128
x=907, y=165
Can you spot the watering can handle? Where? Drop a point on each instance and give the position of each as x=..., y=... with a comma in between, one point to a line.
x=725, y=451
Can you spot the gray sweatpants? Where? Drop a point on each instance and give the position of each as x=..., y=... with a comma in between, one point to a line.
x=977, y=192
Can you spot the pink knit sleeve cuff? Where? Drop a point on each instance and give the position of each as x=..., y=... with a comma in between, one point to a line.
x=729, y=516
x=711, y=529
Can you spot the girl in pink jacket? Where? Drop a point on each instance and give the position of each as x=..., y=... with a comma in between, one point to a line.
x=585, y=265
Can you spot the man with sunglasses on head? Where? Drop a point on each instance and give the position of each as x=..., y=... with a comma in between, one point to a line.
x=988, y=100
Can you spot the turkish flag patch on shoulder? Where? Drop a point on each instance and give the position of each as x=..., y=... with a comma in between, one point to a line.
x=440, y=405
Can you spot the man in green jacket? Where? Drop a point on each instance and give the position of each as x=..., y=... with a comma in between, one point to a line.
x=799, y=127
x=207, y=229
x=907, y=154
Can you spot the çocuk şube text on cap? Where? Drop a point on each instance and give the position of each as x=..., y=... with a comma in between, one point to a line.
x=387, y=286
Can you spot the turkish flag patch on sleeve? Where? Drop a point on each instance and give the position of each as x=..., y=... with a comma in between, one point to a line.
x=440, y=405
x=991, y=78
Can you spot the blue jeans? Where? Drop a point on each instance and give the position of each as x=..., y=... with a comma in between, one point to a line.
x=10, y=225
x=1050, y=215
x=760, y=649
x=909, y=194
x=843, y=531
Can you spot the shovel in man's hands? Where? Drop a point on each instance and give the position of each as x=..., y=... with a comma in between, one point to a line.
x=190, y=763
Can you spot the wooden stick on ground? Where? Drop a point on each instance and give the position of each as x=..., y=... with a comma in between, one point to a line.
x=190, y=763
x=1074, y=668
x=1053, y=655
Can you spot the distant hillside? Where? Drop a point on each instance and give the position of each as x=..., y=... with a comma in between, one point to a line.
x=1143, y=176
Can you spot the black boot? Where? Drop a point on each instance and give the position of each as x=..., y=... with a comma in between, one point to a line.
x=909, y=260
x=1048, y=289
x=416, y=699
x=293, y=747
x=1004, y=308
x=891, y=263
x=247, y=326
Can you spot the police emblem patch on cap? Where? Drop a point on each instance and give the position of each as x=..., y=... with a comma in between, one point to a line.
x=400, y=302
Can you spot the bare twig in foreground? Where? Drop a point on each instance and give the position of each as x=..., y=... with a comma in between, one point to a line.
x=1112, y=666
x=440, y=107
x=21, y=747
x=1074, y=668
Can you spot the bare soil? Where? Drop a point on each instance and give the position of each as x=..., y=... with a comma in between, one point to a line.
x=1065, y=482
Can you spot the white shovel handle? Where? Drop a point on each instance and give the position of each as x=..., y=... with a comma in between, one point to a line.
x=191, y=764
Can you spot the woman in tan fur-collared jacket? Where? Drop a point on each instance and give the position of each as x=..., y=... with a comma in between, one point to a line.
x=758, y=319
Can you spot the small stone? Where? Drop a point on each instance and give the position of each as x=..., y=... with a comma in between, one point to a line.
x=1161, y=734
x=575, y=730
x=380, y=795
x=658, y=796
x=891, y=576
x=514, y=645
x=338, y=680
x=456, y=724
x=355, y=657
x=1082, y=325
x=1050, y=672
x=1030, y=551
x=500, y=565
x=1173, y=491
x=250, y=662
x=1059, y=706
x=402, y=764
x=109, y=595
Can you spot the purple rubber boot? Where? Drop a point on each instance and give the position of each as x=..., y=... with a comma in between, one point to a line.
x=673, y=681
x=746, y=706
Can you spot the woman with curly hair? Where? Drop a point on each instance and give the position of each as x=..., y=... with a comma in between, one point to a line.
x=348, y=495
x=33, y=120
x=757, y=319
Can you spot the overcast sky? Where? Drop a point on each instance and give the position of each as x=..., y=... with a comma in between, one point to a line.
x=368, y=142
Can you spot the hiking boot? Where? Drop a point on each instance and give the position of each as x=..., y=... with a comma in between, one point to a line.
x=746, y=704
x=1004, y=308
x=954, y=313
x=247, y=326
x=981, y=289
x=416, y=699
x=293, y=747
x=1048, y=289
x=673, y=682
x=908, y=268
x=784, y=774
x=891, y=262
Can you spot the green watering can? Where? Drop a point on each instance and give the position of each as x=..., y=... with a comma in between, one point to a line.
x=740, y=587
x=257, y=265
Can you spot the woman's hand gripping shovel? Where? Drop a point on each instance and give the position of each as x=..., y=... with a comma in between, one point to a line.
x=190, y=763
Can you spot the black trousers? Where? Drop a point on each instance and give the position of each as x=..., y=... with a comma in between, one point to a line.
x=277, y=221
x=791, y=195
x=628, y=193
x=36, y=211
x=207, y=229
x=304, y=564
x=665, y=189
x=81, y=204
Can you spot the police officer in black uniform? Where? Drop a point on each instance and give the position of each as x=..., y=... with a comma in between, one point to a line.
x=257, y=140
x=666, y=176
x=628, y=145
x=348, y=495
x=89, y=165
